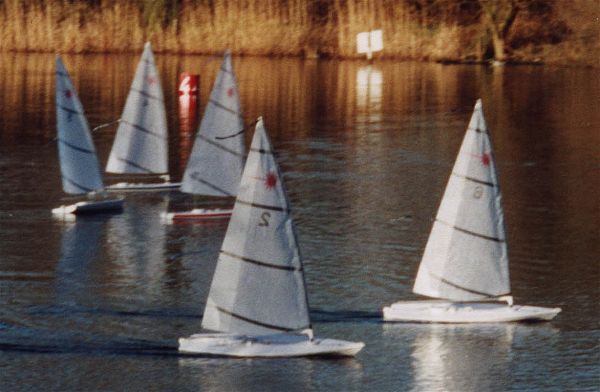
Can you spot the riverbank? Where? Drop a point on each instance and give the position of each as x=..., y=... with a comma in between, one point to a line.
x=542, y=32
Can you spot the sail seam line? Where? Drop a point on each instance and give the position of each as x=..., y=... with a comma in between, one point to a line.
x=477, y=130
x=248, y=320
x=474, y=180
x=147, y=95
x=226, y=71
x=483, y=236
x=262, y=151
x=66, y=109
x=261, y=263
x=464, y=288
x=221, y=106
x=127, y=161
x=238, y=133
x=194, y=176
x=83, y=188
x=142, y=129
x=263, y=206
x=237, y=154
x=80, y=149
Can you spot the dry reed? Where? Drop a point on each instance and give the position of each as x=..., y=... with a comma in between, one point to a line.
x=413, y=29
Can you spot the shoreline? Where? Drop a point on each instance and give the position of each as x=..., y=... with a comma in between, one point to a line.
x=376, y=58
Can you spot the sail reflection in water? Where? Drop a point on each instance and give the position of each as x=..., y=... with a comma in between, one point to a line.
x=136, y=247
x=446, y=357
x=218, y=374
x=451, y=358
x=79, y=252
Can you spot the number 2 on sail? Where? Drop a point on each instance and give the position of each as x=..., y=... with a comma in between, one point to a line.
x=264, y=219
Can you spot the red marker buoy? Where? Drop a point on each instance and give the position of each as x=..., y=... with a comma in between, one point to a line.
x=188, y=84
x=187, y=90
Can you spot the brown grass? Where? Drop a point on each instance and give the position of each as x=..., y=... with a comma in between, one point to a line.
x=413, y=29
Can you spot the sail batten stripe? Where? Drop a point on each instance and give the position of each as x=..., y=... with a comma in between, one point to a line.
x=261, y=263
x=255, y=322
x=131, y=163
x=208, y=184
x=263, y=206
x=483, y=236
x=66, y=109
x=213, y=143
x=221, y=106
x=468, y=290
x=83, y=188
x=74, y=147
x=142, y=129
x=147, y=95
x=476, y=130
x=491, y=184
x=261, y=151
x=226, y=71
x=61, y=73
x=238, y=133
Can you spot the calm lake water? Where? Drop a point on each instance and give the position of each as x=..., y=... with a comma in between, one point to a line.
x=366, y=151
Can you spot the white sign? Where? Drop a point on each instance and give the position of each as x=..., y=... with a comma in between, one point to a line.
x=369, y=42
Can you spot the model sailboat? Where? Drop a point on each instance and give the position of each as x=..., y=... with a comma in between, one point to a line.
x=257, y=300
x=465, y=262
x=78, y=162
x=217, y=160
x=141, y=142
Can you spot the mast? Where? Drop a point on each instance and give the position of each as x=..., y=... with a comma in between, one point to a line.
x=217, y=158
x=466, y=257
x=258, y=286
x=78, y=162
x=141, y=142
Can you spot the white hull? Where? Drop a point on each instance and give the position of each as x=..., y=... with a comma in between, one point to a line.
x=196, y=215
x=90, y=207
x=464, y=312
x=266, y=346
x=137, y=187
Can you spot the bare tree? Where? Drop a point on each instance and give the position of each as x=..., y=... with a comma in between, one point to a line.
x=499, y=16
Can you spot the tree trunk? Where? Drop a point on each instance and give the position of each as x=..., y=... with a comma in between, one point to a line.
x=499, y=16
x=498, y=45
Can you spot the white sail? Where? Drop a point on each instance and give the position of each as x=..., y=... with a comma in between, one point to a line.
x=258, y=286
x=217, y=159
x=78, y=162
x=466, y=255
x=141, y=143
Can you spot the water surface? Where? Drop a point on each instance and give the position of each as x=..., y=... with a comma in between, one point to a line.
x=366, y=151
